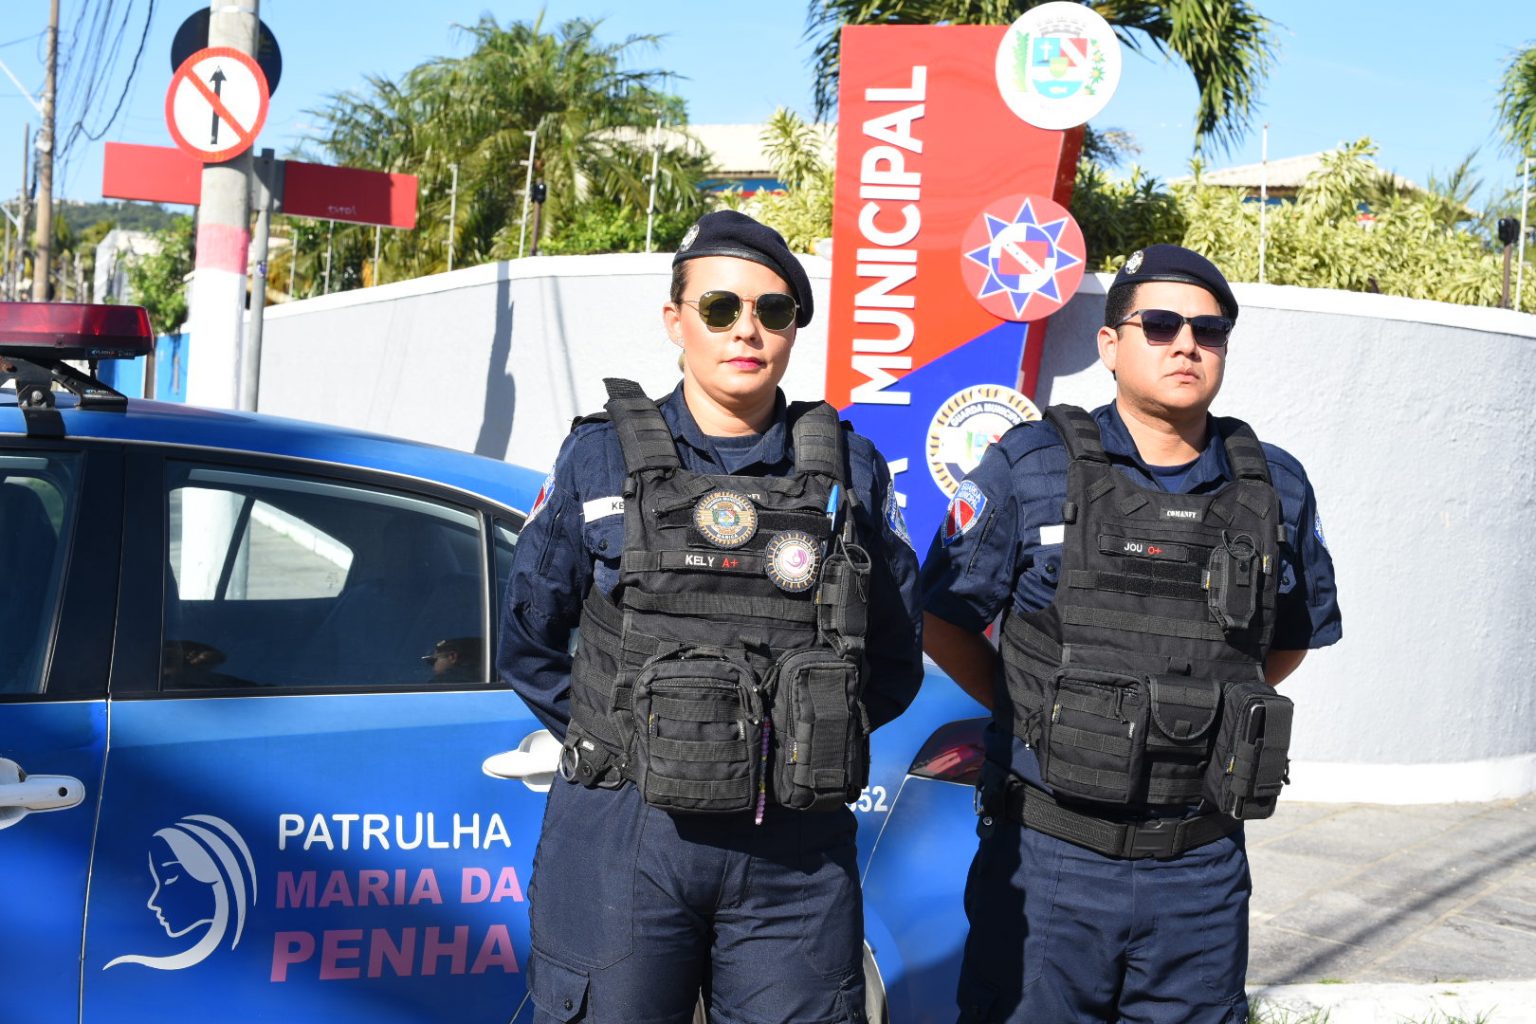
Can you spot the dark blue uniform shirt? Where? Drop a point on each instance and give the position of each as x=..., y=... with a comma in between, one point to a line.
x=1011, y=550
x=575, y=535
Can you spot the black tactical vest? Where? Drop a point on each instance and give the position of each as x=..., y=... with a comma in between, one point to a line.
x=727, y=666
x=1142, y=683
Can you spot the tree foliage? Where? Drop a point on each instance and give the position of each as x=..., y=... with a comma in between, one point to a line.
x=1517, y=102
x=1226, y=44
x=802, y=213
x=592, y=113
x=157, y=281
x=1351, y=227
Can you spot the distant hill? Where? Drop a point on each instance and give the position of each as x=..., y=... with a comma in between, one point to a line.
x=128, y=216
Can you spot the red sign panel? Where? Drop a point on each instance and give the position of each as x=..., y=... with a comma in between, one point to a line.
x=951, y=244
x=345, y=193
x=162, y=174
x=154, y=174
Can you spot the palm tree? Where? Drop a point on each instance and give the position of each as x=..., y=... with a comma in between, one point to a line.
x=1517, y=102
x=1226, y=44
x=588, y=107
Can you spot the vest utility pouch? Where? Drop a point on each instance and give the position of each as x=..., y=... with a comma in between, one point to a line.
x=845, y=570
x=823, y=735
x=1232, y=580
x=1182, y=711
x=1094, y=739
x=1250, y=763
x=699, y=733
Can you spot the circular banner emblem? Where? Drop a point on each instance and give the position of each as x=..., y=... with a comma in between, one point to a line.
x=791, y=560
x=1058, y=65
x=725, y=518
x=1023, y=257
x=966, y=424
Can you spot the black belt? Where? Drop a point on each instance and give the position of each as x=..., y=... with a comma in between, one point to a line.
x=1158, y=837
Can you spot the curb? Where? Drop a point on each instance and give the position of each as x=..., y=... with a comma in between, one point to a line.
x=1486, y=1002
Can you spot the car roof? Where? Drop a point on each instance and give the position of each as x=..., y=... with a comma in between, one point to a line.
x=147, y=422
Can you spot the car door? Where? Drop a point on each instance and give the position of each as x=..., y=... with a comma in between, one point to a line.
x=60, y=526
x=295, y=823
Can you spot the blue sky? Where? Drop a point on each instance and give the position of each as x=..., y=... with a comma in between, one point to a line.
x=1419, y=78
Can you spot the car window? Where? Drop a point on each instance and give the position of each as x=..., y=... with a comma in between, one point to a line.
x=277, y=580
x=37, y=498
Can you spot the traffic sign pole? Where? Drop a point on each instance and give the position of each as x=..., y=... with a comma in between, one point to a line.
x=216, y=306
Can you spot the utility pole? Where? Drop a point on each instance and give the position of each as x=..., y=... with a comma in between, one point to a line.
x=1263, y=197
x=453, y=212
x=330, y=237
x=21, y=242
x=216, y=306
x=522, y=231
x=1525, y=178
x=266, y=185
x=43, y=245
x=650, y=207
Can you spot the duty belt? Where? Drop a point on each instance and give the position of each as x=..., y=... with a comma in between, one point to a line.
x=1162, y=838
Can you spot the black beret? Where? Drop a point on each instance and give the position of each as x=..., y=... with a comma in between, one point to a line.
x=1176, y=263
x=728, y=233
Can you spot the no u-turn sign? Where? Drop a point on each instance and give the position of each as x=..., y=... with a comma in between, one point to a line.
x=216, y=104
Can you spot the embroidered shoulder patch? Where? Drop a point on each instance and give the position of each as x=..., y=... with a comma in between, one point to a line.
x=894, y=519
x=543, y=498
x=964, y=513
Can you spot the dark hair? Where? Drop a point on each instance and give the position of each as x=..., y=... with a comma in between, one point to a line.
x=1119, y=303
x=679, y=280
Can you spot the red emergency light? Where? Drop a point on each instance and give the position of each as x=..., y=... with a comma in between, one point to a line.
x=74, y=330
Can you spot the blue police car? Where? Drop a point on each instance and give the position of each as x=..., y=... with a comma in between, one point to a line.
x=254, y=763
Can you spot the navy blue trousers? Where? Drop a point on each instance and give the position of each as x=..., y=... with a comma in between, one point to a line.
x=1062, y=934
x=635, y=911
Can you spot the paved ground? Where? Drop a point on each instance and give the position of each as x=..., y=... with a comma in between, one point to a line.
x=1392, y=914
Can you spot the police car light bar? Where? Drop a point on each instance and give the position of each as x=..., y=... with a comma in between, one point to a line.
x=74, y=330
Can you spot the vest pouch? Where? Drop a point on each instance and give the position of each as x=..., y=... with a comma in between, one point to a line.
x=1250, y=764
x=1094, y=742
x=841, y=602
x=1182, y=711
x=823, y=734
x=1233, y=579
x=699, y=733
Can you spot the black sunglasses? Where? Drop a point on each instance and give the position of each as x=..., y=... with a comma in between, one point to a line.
x=1161, y=326
x=719, y=310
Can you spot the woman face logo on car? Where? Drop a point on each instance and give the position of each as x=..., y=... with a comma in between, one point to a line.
x=204, y=881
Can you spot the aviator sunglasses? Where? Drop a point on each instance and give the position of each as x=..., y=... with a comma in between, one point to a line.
x=1161, y=326
x=720, y=309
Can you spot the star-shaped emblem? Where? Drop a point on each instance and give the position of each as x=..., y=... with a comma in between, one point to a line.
x=1023, y=257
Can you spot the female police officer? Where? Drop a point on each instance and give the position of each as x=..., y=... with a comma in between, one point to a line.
x=744, y=591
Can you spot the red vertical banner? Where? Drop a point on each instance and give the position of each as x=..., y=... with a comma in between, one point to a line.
x=951, y=247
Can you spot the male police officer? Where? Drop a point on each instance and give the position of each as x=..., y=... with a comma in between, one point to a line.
x=746, y=599
x=1158, y=571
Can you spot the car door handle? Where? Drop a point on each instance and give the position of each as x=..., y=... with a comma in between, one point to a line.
x=534, y=762
x=21, y=794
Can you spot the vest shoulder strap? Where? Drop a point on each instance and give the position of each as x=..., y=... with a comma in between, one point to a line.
x=1244, y=453
x=1078, y=432
x=643, y=434
x=817, y=436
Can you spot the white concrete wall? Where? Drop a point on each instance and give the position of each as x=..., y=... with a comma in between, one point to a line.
x=1411, y=417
